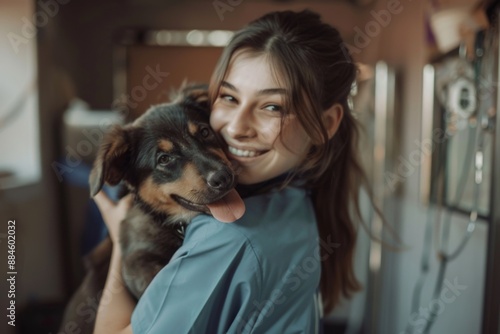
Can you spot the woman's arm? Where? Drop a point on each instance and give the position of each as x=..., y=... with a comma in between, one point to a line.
x=116, y=305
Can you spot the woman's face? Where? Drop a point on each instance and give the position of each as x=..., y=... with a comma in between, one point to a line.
x=248, y=112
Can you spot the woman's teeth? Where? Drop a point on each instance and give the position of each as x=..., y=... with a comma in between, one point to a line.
x=242, y=153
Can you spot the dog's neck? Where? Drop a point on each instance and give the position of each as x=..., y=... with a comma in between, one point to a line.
x=160, y=218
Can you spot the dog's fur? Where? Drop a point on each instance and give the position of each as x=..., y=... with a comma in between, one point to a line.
x=173, y=164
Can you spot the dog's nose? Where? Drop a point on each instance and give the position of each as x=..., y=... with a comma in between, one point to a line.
x=220, y=180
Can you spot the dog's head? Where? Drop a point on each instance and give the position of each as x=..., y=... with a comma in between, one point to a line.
x=171, y=160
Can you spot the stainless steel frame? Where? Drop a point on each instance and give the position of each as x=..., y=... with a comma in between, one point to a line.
x=427, y=120
x=491, y=305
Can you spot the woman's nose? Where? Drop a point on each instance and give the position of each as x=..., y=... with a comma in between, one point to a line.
x=241, y=124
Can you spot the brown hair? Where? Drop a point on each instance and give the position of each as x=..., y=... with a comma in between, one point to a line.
x=310, y=58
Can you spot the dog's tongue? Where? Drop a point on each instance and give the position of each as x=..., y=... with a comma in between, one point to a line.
x=229, y=208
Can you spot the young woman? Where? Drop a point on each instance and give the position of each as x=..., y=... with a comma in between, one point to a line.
x=279, y=100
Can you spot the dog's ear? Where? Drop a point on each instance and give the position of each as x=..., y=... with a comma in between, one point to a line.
x=197, y=93
x=111, y=159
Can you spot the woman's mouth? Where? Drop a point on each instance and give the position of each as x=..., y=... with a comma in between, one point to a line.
x=244, y=153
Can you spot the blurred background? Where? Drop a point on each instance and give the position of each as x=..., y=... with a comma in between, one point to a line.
x=426, y=95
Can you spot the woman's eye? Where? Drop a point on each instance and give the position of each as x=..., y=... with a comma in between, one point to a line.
x=164, y=159
x=227, y=98
x=273, y=107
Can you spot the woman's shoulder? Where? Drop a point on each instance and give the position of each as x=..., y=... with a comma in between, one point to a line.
x=238, y=265
x=281, y=219
x=289, y=207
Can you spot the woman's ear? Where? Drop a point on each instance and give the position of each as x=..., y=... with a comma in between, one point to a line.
x=332, y=118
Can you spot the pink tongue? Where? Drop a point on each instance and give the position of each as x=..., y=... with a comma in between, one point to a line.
x=229, y=208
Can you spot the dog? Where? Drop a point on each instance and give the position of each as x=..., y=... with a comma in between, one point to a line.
x=175, y=167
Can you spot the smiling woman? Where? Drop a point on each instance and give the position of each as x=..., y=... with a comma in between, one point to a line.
x=312, y=140
x=248, y=114
x=289, y=130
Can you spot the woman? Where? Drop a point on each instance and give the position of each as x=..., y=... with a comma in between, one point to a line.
x=279, y=100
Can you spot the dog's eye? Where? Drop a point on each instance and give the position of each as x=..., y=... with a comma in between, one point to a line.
x=205, y=132
x=165, y=159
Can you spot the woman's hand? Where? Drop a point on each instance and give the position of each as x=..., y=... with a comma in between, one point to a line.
x=116, y=305
x=113, y=213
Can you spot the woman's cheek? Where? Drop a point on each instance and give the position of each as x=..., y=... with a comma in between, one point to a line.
x=215, y=119
x=295, y=138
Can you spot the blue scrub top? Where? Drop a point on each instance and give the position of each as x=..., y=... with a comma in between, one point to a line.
x=259, y=274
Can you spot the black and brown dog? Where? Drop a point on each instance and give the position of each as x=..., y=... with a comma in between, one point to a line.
x=175, y=167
